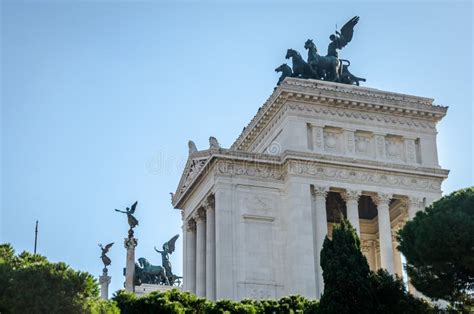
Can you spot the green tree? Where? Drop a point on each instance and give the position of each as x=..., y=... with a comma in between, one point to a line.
x=31, y=284
x=346, y=273
x=439, y=248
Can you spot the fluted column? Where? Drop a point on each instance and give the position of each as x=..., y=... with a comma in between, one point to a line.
x=352, y=204
x=190, y=278
x=201, y=253
x=385, y=233
x=321, y=225
x=210, y=249
x=185, y=237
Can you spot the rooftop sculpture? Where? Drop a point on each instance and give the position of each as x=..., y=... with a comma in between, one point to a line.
x=132, y=221
x=145, y=272
x=325, y=68
x=105, y=259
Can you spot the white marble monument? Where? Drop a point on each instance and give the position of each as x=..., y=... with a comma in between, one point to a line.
x=255, y=215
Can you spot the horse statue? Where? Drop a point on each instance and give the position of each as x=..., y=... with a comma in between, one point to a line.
x=285, y=72
x=347, y=77
x=326, y=67
x=151, y=273
x=300, y=67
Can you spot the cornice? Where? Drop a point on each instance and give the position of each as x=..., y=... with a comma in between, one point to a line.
x=239, y=163
x=338, y=96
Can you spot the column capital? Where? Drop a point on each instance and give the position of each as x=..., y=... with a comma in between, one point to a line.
x=209, y=203
x=351, y=195
x=200, y=215
x=381, y=199
x=320, y=191
x=414, y=201
x=191, y=225
x=130, y=243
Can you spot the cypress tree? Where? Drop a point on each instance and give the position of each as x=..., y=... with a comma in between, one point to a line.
x=346, y=273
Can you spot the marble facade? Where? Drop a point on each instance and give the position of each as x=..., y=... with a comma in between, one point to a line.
x=255, y=215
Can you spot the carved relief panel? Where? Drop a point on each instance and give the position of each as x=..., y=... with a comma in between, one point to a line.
x=333, y=140
x=394, y=148
x=364, y=144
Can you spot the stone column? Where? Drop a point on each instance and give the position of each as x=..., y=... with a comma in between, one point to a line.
x=130, y=244
x=104, y=282
x=397, y=257
x=352, y=204
x=201, y=252
x=414, y=205
x=210, y=249
x=385, y=233
x=321, y=225
x=224, y=240
x=191, y=256
x=185, y=237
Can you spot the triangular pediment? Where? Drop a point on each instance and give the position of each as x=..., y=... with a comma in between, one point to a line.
x=194, y=166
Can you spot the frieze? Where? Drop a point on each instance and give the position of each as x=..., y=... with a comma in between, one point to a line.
x=378, y=178
x=250, y=169
x=363, y=116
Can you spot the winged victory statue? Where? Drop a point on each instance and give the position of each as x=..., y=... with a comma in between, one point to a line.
x=132, y=221
x=105, y=259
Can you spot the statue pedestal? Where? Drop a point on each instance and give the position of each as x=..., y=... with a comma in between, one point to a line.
x=130, y=244
x=146, y=288
x=104, y=282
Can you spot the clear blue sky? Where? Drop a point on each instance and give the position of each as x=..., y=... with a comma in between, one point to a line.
x=99, y=100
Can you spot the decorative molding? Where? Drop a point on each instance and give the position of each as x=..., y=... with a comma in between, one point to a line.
x=191, y=225
x=320, y=191
x=258, y=217
x=250, y=169
x=362, y=99
x=130, y=243
x=200, y=215
x=351, y=195
x=382, y=199
x=371, y=177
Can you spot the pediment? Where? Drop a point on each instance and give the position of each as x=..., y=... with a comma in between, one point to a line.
x=194, y=166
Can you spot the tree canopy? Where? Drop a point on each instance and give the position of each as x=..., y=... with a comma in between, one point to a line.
x=29, y=283
x=350, y=286
x=438, y=245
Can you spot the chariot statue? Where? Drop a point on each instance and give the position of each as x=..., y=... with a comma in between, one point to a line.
x=327, y=68
x=145, y=272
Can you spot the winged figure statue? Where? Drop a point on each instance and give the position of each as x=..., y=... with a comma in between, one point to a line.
x=168, y=249
x=340, y=39
x=105, y=259
x=132, y=221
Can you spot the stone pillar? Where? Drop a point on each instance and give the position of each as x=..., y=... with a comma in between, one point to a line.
x=201, y=252
x=349, y=136
x=185, y=237
x=414, y=205
x=352, y=204
x=210, y=249
x=130, y=244
x=104, y=282
x=379, y=146
x=321, y=226
x=224, y=241
x=410, y=149
x=397, y=257
x=385, y=233
x=191, y=256
x=318, y=139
